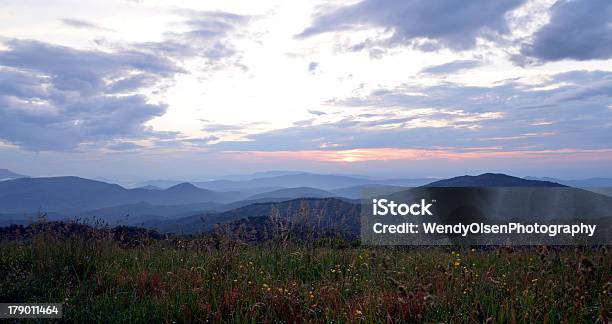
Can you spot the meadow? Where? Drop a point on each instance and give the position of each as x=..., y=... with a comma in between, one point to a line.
x=215, y=279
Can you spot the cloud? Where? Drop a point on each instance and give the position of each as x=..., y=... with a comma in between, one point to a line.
x=229, y=129
x=222, y=128
x=423, y=130
x=201, y=141
x=57, y=98
x=82, y=24
x=207, y=35
x=316, y=112
x=60, y=98
x=578, y=29
x=312, y=66
x=428, y=24
x=451, y=67
x=84, y=71
x=123, y=146
x=508, y=116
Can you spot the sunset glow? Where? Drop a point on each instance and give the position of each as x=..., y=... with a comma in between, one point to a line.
x=391, y=154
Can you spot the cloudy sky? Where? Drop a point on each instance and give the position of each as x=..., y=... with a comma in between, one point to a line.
x=195, y=89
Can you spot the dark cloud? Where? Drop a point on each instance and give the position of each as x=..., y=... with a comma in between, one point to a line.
x=451, y=67
x=82, y=70
x=578, y=29
x=446, y=23
x=57, y=98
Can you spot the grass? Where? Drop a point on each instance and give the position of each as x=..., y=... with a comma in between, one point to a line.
x=192, y=280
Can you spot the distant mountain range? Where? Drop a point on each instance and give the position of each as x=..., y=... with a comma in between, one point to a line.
x=269, y=181
x=320, y=181
x=73, y=194
x=186, y=206
x=8, y=175
x=257, y=175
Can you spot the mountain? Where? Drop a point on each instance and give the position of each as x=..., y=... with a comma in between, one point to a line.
x=321, y=213
x=162, y=184
x=364, y=191
x=261, y=182
x=385, y=187
x=73, y=194
x=579, y=183
x=313, y=180
x=150, y=187
x=186, y=208
x=320, y=181
x=292, y=193
x=491, y=180
x=126, y=214
x=6, y=174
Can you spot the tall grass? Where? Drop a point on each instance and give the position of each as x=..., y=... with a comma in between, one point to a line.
x=191, y=280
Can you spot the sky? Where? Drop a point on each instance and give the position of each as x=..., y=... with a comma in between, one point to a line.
x=150, y=89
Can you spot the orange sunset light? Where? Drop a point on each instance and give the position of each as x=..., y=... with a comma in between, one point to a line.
x=389, y=154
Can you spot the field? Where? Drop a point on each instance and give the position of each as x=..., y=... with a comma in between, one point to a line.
x=99, y=278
